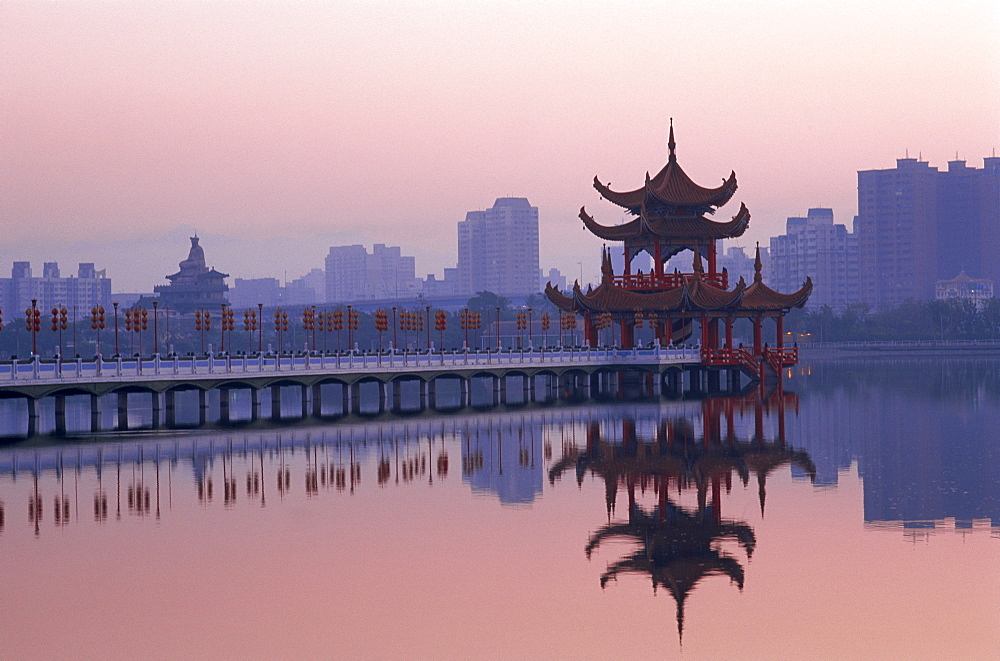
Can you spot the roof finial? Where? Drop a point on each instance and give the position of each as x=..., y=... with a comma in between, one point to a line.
x=756, y=265
x=671, y=145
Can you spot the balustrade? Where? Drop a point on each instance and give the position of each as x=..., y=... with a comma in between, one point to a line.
x=218, y=366
x=667, y=280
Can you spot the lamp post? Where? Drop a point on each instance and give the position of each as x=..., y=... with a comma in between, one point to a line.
x=115, y=305
x=97, y=323
x=156, y=329
x=33, y=322
x=395, y=341
x=531, y=337
x=350, y=328
x=427, y=314
x=260, y=328
x=498, y=329
x=59, y=324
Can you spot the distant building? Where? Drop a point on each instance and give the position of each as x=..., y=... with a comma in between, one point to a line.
x=556, y=278
x=738, y=264
x=816, y=247
x=248, y=293
x=195, y=285
x=917, y=225
x=310, y=289
x=88, y=288
x=964, y=288
x=431, y=287
x=498, y=249
x=354, y=274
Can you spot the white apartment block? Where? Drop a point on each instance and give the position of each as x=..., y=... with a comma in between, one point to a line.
x=815, y=247
x=498, y=249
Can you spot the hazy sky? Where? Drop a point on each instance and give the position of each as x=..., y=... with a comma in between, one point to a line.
x=392, y=119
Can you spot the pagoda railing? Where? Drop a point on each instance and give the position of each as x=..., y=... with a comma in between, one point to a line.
x=732, y=357
x=781, y=357
x=654, y=281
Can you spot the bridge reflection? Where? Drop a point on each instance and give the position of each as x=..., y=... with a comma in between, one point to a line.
x=662, y=447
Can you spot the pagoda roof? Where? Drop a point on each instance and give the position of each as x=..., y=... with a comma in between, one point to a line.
x=673, y=225
x=672, y=187
x=758, y=297
x=695, y=294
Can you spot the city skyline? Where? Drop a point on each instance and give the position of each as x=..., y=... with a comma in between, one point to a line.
x=258, y=121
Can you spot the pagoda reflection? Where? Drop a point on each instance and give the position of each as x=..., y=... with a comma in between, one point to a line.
x=678, y=546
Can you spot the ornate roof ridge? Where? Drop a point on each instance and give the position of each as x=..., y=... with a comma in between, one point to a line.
x=671, y=186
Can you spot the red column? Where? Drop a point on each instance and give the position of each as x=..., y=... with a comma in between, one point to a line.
x=628, y=341
x=588, y=330
x=711, y=258
x=628, y=265
x=657, y=253
x=704, y=331
x=668, y=331
x=729, y=332
x=757, y=348
x=713, y=333
x=780, y=322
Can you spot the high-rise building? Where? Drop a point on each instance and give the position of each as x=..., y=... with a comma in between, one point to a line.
x=816, y=247
x=917, y=225
x=88, y=288
x=738, y=264
x=969, y=220
x=248, y=292
x=498, y=249
x=352, y=274
x=307, y=290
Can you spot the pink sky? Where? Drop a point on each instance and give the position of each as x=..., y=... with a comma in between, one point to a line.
x=393, y=119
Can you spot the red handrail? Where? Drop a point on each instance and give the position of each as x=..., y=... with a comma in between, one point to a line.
x=666, y=280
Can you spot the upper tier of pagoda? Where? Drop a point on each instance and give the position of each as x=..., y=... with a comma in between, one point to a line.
x=670, y=205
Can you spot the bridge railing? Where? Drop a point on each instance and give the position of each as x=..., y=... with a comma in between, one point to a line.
x=180, y=367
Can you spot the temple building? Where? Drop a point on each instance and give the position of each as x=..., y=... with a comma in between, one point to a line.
x=195, y=285
x=671, y=217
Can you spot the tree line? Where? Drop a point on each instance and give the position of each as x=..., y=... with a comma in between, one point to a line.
x=911, y=320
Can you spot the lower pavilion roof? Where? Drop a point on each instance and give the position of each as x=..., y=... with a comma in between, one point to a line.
x=694, y=295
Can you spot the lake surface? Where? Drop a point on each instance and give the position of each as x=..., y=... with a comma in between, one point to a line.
x=856, y=514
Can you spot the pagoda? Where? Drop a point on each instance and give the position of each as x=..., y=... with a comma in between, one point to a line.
x=194, y=285
x=671, y=216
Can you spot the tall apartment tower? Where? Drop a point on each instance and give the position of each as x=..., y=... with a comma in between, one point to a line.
x=498, y=249
x=352, y=274
x=815, y=246
x=917, y=225
x=969, y=221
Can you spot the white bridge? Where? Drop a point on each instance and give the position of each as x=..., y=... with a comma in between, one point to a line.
x=345, y=367
x=539, y=375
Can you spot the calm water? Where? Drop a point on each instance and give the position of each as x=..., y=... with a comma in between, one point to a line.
x=855, y=515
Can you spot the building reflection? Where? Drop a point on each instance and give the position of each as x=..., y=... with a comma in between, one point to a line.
x=673, y=545
x=921, y=436
x=666, y=470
